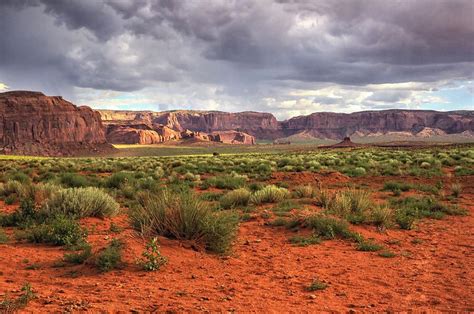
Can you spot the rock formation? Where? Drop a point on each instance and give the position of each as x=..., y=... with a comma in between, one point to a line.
x=34, y=124
x=232, y=137
x=324, y=125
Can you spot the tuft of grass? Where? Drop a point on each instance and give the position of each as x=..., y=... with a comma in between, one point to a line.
x=304, y=191
x=81, y=202
x=368, y=246
x=110, y=257
x=304, y=241
x=3, y=237
x=183, y=216
x=316, y=285
x=456, y=189
x=235, y=198
x=85, y=252
x=387, y=254
x=73, y=180
x=226, y=182
x=8, y=305
x=269, y=194
x=330, y=228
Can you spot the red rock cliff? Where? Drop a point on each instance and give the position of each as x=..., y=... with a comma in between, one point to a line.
x=32, y=123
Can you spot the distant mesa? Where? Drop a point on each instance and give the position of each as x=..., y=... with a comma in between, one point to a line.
x=320, y=125
x=34, y=124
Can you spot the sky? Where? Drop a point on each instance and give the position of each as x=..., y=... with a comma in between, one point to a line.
x=287, y=57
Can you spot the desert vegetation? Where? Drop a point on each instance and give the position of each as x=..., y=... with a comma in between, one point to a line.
x=108, y=215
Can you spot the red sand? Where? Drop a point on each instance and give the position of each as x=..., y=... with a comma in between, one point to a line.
x=264, y=272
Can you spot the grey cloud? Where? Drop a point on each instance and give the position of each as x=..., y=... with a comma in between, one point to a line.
x=248, y=49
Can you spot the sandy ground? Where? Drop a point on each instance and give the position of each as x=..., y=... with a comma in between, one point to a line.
x=433, y=269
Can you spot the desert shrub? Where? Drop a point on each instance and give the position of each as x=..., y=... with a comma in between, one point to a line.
x=368, y=246
x=82, y=202
x=152, y=259
x=456, y=189
x=110, y=257
x=316, y=285
x=330, y=228
x=118, y=178
x=59, y=230
x=409, y=209
x=269, y=194
x=210, y=196
x=382, y=217
x=351, y=204
x=227, y=182
x=8, y=305
x=19, y=176
x=323, y=197
x=11, y=187
x=85, y=252
x=73, y=180
x=304, y=241
x=304, y=191
x=396, y=186
x=235, y=198
x=3, y=237
x=183, y=216
x=387, y=254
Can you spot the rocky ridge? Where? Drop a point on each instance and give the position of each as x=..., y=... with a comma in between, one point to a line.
x=34, y=124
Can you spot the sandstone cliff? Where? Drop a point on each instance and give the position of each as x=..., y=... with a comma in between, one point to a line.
x=32, y=123
x=323, y=125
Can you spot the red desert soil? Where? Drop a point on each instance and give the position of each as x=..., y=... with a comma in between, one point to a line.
x=264, y=273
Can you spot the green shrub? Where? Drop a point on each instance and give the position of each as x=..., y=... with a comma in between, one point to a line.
x=456, y=189
x=85, y=252
x=316, y=285
x=304, y=191
x=330, y=228
x=8, y=305
x=368, y=246
x=117, y=179
x=110, y=257
x=387, y=254
x=82, y=202
x=3, y=237
x=183, y=216
x=73, y=180
x=304, y=241
x=152, y=258
x=225, y=182
x=59, y=230
x=396, y=186
x=382, y=217
x=323, y=197
x=269, y=194
x=235, y=198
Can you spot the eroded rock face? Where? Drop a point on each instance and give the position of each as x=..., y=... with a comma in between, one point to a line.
x=232, y=137
x=339, y=125
x=318, y=125
x=34, y=124
x=257, y=124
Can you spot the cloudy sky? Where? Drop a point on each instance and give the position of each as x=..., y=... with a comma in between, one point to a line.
x=288, y=57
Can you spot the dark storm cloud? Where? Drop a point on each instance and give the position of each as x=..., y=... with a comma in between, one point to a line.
x=243, y=46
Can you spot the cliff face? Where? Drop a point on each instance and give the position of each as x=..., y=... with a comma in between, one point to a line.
x=318, y=125
x=262, y=125
x=338, y=125
x=32, y=123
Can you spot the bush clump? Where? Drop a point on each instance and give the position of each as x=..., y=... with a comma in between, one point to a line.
x=111, y=257
x=269, y=194
x=235, y=198
x=82, y=202
x=59, y=230
x=183, y=216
